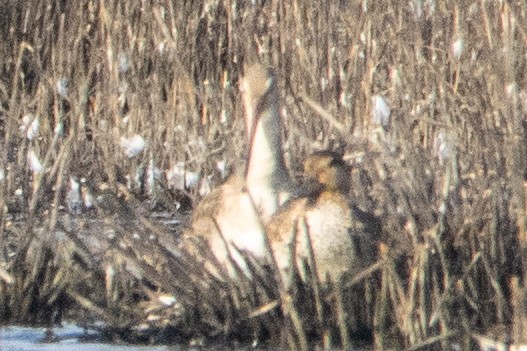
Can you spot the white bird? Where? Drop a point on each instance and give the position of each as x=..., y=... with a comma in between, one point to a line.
x=231, y=218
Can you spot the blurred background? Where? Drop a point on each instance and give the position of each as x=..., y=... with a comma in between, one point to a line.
x=426, y=99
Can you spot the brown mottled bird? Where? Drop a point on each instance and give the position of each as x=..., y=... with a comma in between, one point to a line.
x=232, y=216
x=324, y=220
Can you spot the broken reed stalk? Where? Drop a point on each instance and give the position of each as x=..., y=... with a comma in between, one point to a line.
x=287, y=301
x=328, y=117
x=315, y=281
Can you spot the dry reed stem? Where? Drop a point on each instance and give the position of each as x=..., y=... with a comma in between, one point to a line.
x=317, y=292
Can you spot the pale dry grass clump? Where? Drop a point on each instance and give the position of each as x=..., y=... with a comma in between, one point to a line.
x=445, y=171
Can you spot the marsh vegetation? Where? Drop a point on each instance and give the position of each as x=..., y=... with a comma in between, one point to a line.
x=112, y=112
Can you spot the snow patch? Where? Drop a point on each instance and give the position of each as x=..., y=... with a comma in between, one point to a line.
x=133, y=146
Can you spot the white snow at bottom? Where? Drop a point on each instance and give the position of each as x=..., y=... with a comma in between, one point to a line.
x=69, y=338
x=30, y=339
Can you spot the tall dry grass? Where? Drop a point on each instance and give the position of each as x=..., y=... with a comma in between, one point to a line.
x=446, y=176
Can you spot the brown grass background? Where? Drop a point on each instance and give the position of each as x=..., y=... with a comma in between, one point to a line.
x=452, y=258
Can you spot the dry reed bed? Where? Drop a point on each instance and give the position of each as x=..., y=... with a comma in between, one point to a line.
x=446, y=175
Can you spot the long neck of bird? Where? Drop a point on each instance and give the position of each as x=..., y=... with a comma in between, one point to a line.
x=266, y=174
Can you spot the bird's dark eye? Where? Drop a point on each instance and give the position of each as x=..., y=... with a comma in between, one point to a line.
x=337, y=162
